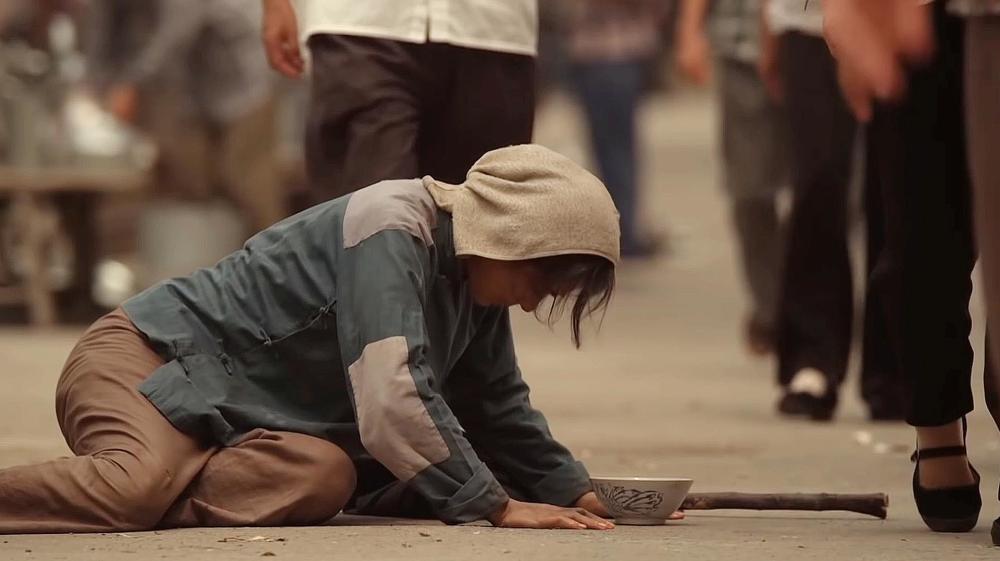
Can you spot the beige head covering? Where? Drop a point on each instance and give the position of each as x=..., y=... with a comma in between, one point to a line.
x=525, y=202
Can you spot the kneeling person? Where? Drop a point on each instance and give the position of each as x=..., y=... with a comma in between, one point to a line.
x=358, y=355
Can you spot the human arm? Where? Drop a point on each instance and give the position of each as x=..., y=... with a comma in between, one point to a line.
x=872, y=42
x=693, y=52
x=178, y=22
x=115, y=73
x=404, y=422
x=280, y=33
x=492, y=403
x=767, y=63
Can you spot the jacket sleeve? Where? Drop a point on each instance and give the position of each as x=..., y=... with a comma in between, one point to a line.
x=493, y=405
x=403, y=420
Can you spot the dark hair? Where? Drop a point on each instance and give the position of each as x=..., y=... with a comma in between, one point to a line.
x=587, y=280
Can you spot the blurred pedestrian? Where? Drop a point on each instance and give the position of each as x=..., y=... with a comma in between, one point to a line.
x=724, y=35
x=885, y=50
x=404, y=89
x=816, y=306
x=192, y=74
x=982, y=91
x=611, y=46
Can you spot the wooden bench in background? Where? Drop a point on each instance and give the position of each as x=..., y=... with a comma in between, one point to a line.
x=36, y=219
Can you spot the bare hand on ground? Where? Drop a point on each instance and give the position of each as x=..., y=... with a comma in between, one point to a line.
x=872, y=42
x=590, y=502
x=281, y=38
x=516, y=514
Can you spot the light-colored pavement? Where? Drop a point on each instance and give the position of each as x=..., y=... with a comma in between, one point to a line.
x=664, y=389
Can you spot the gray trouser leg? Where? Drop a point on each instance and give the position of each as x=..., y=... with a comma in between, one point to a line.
x=755, y=169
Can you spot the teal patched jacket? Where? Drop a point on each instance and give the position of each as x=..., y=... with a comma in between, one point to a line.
x=352, y=322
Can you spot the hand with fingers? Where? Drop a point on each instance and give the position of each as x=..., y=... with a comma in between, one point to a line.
x=873, y=42
x=517, y=514
x=281, y=38
x=590, y=502
x=694, y=55
x=693, y=51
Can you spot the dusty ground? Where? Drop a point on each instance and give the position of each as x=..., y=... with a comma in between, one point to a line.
x=664, y=390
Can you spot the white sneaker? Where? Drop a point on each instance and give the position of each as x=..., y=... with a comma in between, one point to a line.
x=809, y=381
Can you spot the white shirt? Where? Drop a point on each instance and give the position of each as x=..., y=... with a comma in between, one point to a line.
x=796, y=15
x=509, y=26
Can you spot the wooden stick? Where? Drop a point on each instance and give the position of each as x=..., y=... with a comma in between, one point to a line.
x=874, y=504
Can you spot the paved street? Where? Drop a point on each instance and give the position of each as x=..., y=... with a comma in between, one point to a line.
x=665, y=389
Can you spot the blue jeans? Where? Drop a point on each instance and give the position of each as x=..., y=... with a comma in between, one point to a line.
x=610, y=93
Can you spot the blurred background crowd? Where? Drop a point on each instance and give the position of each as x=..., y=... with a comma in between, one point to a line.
x=139, y=140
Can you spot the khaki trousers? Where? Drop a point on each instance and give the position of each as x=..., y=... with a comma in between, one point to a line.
x=134, y=471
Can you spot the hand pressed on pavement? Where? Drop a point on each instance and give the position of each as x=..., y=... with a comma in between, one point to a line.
x=590, y=502
x=517, y=514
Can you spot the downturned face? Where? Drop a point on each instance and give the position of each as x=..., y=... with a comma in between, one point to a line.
x=506, y=283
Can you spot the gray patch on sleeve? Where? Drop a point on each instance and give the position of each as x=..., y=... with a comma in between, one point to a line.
x=399, y=204
x=395, y=426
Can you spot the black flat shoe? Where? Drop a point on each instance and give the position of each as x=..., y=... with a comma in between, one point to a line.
x=995, y=532
x=949, y=509
x=799, y=404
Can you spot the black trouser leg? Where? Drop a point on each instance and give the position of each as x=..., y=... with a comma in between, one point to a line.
x=815, y=310
x=481, y=101
x=364, y=113
x=924, y=270
x=382, y=109
x=882, y=384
